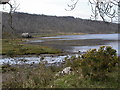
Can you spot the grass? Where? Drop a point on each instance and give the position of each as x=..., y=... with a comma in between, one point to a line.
x=75, y=81
x=30, y=76
x=44, y=77
x=16, y=47
x=0, y=45
x=27, y=77
x=56, y=34
x=67, y=81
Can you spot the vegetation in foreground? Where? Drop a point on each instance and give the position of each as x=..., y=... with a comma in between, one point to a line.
x=95, y=69
x=12, y=47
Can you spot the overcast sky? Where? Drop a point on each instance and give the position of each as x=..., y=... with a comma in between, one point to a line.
x=53, y=7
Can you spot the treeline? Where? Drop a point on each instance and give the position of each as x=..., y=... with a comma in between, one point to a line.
x=32, y=23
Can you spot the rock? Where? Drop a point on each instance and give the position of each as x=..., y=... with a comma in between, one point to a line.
x=66, y=70
x=26, y=35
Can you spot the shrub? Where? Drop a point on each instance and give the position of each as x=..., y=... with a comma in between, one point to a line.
x=73, y=62
x=97, y=63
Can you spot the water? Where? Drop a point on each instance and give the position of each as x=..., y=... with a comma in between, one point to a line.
x=86, y=36
x=108, y=37
x=114, y=45
x=60, y=59
x=35, y=60
x=80, y=37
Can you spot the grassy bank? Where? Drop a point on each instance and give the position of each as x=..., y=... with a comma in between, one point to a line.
x=42, y=77
x=16, y=47
x=76, y=81
x=55, y=34
x=95, y=69
x=13, y=46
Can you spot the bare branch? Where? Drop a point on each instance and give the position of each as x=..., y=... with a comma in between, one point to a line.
x=72, y=6
x=102, y=8
x=13, y=7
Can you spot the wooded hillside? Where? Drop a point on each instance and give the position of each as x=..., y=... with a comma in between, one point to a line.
x=32, y=23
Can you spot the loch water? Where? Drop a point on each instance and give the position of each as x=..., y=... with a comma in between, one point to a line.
x=112, y=38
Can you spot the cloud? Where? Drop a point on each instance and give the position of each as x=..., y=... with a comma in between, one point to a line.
x=54, y=7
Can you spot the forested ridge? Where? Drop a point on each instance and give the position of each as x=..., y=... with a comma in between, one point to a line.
x=32, y=23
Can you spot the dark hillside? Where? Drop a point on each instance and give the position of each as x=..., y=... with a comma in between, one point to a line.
x=23, y=22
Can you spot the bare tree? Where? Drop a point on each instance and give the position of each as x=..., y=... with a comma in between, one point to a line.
x=13, y=7
x=102, y=8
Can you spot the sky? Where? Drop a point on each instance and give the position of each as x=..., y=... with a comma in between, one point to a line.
x=52, y=7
